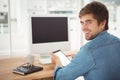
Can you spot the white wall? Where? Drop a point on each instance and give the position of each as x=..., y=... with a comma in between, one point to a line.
x=20, y=24
x=19, y=27
x=19, y=37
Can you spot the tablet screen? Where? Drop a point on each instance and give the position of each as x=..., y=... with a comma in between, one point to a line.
x=63, y=58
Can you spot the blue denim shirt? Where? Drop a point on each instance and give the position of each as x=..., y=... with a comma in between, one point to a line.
x=99, y=59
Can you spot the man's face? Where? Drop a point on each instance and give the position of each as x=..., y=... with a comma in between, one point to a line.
x=90, y=26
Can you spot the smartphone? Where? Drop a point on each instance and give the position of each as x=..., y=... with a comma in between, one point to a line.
x=63, y=58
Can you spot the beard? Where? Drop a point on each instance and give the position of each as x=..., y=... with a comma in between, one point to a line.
x=88, y=36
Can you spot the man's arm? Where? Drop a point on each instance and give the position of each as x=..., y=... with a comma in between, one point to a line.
x=80, y=64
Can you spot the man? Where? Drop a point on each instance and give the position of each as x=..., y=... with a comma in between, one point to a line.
x=99, y=59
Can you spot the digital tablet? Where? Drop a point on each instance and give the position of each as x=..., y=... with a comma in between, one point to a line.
x=63, y=58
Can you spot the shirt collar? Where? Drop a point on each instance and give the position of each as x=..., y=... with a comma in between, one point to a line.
x=100, y=34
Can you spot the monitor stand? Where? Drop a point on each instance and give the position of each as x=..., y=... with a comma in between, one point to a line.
x=45, y=59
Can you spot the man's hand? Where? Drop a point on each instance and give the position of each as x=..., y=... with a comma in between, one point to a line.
x=55, y=60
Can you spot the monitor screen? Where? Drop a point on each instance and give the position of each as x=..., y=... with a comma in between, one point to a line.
x=49, y=33
x=49, y=29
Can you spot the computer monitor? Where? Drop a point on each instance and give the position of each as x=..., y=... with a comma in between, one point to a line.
x=49, y=33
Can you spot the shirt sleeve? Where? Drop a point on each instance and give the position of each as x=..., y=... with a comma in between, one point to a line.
x=82, y=63
x=55, y=71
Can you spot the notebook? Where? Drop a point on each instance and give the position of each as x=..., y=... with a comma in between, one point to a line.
x=27, y=69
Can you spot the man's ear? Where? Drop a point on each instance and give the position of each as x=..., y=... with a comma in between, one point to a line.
x=103, y=23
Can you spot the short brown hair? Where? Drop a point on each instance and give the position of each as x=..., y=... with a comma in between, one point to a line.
x=98, y=10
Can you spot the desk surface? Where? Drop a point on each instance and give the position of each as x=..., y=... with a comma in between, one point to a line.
x=8, y=64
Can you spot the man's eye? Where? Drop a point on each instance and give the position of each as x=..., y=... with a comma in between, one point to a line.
x=81, y=23
x=88, y=22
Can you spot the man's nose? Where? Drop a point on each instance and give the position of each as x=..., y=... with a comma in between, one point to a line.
x=84, y=27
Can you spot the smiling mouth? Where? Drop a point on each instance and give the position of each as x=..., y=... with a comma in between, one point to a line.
x=86, y=33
